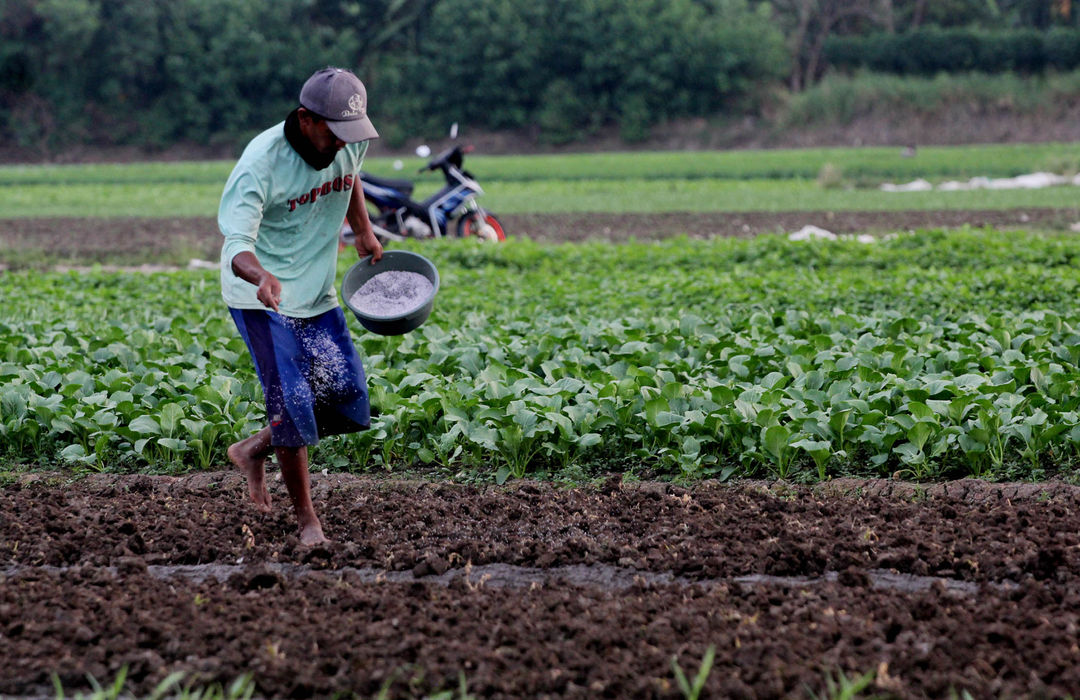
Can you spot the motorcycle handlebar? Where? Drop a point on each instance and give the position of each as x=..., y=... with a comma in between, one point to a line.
x=447, y=155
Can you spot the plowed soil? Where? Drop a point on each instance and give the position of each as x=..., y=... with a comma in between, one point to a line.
x=140, y=239
x=531, y=590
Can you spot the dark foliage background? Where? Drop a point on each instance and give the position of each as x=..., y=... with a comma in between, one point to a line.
x=155, y=73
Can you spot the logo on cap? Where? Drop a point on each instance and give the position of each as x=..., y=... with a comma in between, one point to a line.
x=356, y=106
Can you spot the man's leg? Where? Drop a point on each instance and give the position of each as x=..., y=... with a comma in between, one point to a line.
x=249, y=456
x=294, y=470
x=275, y=343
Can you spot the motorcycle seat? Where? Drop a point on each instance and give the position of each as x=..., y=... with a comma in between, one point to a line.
x=404, y=186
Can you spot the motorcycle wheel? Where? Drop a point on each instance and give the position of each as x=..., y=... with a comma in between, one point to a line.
x=488, y=228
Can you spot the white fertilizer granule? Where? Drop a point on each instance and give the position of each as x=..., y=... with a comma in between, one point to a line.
x=392, y=293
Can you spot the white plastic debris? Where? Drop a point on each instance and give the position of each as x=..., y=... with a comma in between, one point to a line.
x=1031, y=181
x=810, y=232
x=919, y=185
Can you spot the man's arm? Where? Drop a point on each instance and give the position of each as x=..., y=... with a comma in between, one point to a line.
x=357, y=216
x=239, y=216
x=247, y=267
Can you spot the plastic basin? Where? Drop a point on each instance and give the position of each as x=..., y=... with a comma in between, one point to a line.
x=401, y=260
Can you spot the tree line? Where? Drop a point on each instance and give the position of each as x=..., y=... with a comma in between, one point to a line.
x=932, y=50
x=158, y=72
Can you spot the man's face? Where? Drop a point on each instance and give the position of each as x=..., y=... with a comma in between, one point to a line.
x=318, y=132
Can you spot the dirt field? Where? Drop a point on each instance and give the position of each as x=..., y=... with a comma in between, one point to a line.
x=140, y=239
x=531, y=590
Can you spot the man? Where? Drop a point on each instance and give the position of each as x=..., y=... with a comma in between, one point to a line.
x=280, y=214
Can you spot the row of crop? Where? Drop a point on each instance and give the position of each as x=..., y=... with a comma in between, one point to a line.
x=729, y=395
x=764, y=399
x=694, y=357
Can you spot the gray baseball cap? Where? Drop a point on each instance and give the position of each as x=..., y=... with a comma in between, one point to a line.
x=339, y=97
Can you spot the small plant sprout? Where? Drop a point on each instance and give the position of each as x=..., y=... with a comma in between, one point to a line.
x=242, y=688
x=692, y=690
x=840, y=687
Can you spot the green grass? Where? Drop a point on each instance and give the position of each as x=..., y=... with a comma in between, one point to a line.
x=546, y=196
x=996, y=160
x=152, y=199
x=645, y=196
x=776, y=180
x=836, y=686
x=870, y=163
x=179, y=172
x=170, y=688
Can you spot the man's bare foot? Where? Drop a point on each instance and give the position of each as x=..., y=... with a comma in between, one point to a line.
x=254, y=469
x=312, y=534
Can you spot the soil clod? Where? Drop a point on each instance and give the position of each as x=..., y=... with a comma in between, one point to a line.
x=536, y=590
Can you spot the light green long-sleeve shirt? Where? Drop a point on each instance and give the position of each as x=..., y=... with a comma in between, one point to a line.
x=289, y=215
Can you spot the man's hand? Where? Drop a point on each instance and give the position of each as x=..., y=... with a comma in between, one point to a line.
x=269, y=292
x=247, y=267
x=369, y=245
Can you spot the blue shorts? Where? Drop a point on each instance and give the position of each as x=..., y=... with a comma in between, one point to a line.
x=312, y=377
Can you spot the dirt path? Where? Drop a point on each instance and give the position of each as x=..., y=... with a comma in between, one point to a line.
x=134, y=240
x=532, y=590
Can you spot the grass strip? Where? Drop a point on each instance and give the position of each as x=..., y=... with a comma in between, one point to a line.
x=554, y=196
x=862, y=163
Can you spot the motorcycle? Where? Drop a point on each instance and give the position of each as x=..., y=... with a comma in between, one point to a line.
x=453, y=208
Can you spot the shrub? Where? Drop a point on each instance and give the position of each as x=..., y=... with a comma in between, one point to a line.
x=930, y=50
x=564, y=114
x=1063, y=48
